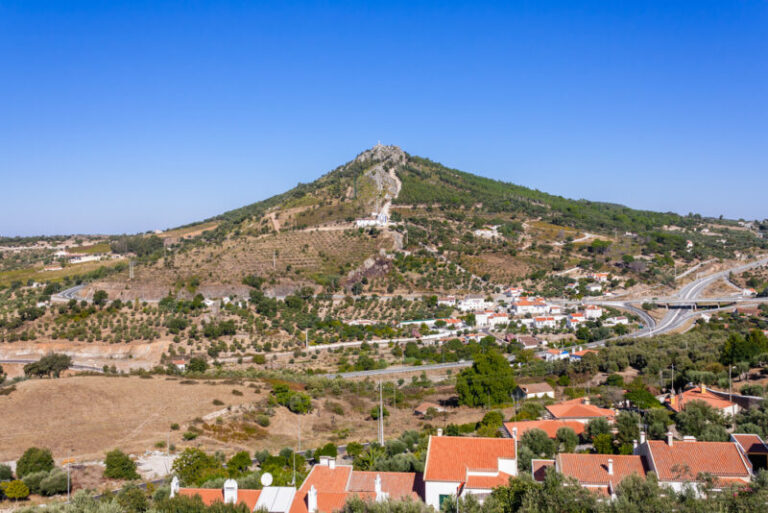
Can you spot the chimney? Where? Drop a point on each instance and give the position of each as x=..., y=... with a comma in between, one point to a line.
x=642, y=437
x=312, y=500
x=634, y=445
x=332, y=463
x=514, y=433
x=230, y=491
x=439, y=431
x=689, y=439
x=586, y=400
x=377, y=488
x=670, y=441
x=324, y=460
x=610, y=466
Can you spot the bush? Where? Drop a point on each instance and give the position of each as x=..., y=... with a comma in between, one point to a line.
x=133, y=499
x=190, y=435
x=34, y=460
x=15, y=490
x=375, y=412
x=54, y=483
x=6, y=474
x=175, y=426
x=263, y=420
x=120, y=466
x=33, y=479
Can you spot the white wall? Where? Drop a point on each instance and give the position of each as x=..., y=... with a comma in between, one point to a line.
x=434, y=489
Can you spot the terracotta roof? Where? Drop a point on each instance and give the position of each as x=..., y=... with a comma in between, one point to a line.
x=684, y=461
x=584, y=352
x=335, y=486
x=536, y=388
x=592, y=469
x=487, y=482
x=679, y=401
x=539, y=468
x=398, y=485
x=332, y=483
x=211, y=495
x=550, y=427
x=577, y=409
x=449, y=457
x=752, y=444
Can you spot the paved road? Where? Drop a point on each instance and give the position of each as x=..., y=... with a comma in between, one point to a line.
x=70, y=293
x=75, y=366
x=401, y=370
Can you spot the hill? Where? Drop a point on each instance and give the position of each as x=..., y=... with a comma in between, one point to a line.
x=448, y=231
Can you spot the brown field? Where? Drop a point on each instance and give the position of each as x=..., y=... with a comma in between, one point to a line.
x=85, y=416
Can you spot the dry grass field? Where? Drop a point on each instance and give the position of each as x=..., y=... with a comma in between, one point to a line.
x=85, y=416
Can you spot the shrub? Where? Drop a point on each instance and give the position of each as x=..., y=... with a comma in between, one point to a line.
x=133, y=499
x=175, y=426
x=236, y=392
x=32, y=481
x=6, y=474
x=263, y=420
x=34, y=460
x=15, y=490
x=120, y=466
x=54, y=483
x=375, y=412
x=190, y=435
x=218, y=402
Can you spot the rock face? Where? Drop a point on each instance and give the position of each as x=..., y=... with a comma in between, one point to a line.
x=387, y=159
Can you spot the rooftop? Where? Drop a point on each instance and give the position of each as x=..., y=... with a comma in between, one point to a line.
x=684, y=461
x=450, y=457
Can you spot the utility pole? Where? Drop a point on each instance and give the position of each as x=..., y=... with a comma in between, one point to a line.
x=730, y=384
x=381, y=415
x=130, y=269
x=274, y=259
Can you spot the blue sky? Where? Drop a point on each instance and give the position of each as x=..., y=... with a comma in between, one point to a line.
x=129, y=116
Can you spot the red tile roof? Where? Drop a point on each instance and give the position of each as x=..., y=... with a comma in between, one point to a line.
x=578, y=409
x=211, y=495
x=678, y=402
x=398, y=485
x=487, y=482
x=536, y=388
x=449, y=457
x=684, y=461
x=335, y=486
x=550, y=427
x=592, y=469
x=752, y=444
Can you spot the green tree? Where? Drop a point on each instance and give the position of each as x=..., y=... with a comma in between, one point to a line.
x=567, y=439
x=194, y=466
x=119, y=466
x=15, y=490
x=539, y=443
x=133, y=499
x=489, y=381
x=657, y=420
x=197, y=364
x=603, y=443
x=6, y=474
x=100, y=297
x=699, y=419
x=239, y=464
x=628, y=429
x=34, y=459
x=54, y=483
x=597, y=426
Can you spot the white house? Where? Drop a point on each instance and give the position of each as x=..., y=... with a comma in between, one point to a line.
x=471, y=302
x=575, y=319
x=594, y=287
x=598, y=277
x=446, y=301
x=615, y=321
x=497, y=319
x=679, y=464
x=544, y=322
x=593, y=312
x=525, y=306
x=534, y=391
x=552, y=355
x=458, y=466
x=376, y=219
x=514, y=292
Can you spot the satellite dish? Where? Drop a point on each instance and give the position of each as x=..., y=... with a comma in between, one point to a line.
x=266, y=479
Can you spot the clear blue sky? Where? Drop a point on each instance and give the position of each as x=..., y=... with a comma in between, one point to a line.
x=128, y=116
